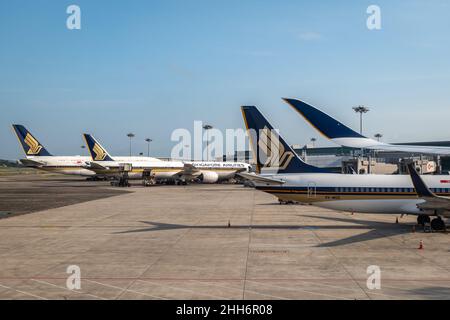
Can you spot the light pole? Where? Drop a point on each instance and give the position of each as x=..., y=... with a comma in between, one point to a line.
x=207, y=127
x=148, y=140
x=131, y=136
x=361, y=110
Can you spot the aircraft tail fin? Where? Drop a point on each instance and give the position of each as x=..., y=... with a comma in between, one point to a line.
x=328, y=126
x=269, y=148
x=97, y=152
x=30, y=145
x=421, y=188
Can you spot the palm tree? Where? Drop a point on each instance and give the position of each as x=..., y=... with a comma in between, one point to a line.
x=148, y=140
x=378, y=136
x=131, y=136
x=313, y=140
x=207, y=127
x=361, y=110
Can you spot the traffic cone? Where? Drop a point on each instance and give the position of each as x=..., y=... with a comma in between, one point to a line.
x=421, y=245
x=396, y=220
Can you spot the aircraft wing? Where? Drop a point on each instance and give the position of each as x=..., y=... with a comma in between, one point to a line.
x=260, y=179
x=32, y=163
x=432, y=201
x=341, y=134
x=190, y=169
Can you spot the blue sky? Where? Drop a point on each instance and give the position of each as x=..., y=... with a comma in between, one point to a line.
x=153, y=66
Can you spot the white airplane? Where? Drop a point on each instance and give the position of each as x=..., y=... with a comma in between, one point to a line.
x=38, y=157
x=283, y=174
x=344, y=136
x=155, y=169
x=213, y=171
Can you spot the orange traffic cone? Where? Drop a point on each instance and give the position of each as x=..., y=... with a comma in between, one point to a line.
x=421, y=245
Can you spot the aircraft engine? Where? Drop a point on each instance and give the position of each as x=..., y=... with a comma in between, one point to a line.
x=209, y=177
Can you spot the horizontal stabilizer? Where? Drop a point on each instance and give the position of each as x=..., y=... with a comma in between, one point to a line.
x=260, y=179
x=32, y=163
x=95, y=166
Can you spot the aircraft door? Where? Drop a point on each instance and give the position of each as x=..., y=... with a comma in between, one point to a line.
x=312, y=190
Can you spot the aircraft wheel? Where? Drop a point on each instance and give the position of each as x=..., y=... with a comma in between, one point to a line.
x=437, y=224
x=422, y=219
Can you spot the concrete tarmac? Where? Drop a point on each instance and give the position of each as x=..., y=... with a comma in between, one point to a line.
x=213, y=242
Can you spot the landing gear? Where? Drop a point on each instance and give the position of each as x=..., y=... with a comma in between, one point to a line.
x=438, y=224
x=422, y=219
x=149, y=181
x=122, y=182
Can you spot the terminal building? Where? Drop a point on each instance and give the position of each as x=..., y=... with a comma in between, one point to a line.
x=357, y=161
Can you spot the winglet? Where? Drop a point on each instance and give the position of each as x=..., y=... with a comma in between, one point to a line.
x=97, y=152
x=421, y=188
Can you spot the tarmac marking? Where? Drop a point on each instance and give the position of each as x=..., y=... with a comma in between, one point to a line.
x=23, y=292
x=211, y=283
x=340, y=263
x=300, y=290
x=132, y=291
x=248, y=247
x=266, y=295
x=78, y=292
x=186, y=290
x=343, y=288
x=162, y=254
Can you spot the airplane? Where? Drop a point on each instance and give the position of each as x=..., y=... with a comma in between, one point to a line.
x=155, y=169
x=281, y=173
x=344, y=136
x=37, y=156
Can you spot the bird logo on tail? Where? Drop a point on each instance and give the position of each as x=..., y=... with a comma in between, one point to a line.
x=275, y=153
x=34, y=145
x=100, y=154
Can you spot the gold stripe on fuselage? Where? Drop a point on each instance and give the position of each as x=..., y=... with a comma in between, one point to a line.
x=311, y=196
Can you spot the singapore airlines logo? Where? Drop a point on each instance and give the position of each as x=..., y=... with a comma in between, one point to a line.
x=275, y=154
x=100, y=154
x=35, y=147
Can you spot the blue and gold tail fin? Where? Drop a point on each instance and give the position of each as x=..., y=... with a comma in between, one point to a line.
x=30, y=145
x=97, y=152
x=270, y=150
